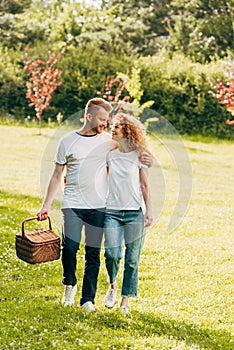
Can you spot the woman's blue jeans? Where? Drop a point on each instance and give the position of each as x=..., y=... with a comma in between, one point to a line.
x=127, y=225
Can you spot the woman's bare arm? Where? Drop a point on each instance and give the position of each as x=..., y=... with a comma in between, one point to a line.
x=145, y=189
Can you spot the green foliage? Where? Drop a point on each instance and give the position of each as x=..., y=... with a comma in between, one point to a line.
x=115, y=37
x=180, y=89
x=14, y=6
x=133, y=87
x=143, y=24
x=88, y=75
x=201, y=29
x=12, y=90
x=18, y=27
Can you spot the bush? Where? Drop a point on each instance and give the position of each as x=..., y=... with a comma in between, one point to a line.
x=181, y=91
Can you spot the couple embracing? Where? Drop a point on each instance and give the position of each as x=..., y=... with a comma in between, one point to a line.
x=106, y=188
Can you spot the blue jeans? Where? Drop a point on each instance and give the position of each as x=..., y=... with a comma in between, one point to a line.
x=127, y=225
x=73, y=222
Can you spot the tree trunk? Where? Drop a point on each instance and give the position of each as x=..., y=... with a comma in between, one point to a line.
x=39, y=125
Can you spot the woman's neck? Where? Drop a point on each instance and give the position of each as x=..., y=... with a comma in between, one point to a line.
x=124, y=146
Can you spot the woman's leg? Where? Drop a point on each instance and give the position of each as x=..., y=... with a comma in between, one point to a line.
x=113, y=233
x=133, y=234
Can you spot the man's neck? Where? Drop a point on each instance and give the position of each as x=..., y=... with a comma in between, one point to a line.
x=86, y=131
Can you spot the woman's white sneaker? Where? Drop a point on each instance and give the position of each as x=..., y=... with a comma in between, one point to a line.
x=124, y=309
x=69, y=295
x=110, y=297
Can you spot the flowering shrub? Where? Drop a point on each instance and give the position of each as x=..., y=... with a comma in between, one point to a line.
x=42, y=81
x=225, y=92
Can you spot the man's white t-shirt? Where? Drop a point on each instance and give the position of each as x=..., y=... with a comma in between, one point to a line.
x=124, y=181
x=86, y=178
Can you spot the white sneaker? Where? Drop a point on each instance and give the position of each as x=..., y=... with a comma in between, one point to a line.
x=69, y=295
x=88, y=306
x=110, y=297
x=124, y=309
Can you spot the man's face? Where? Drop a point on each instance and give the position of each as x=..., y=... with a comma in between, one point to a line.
x=98, y=123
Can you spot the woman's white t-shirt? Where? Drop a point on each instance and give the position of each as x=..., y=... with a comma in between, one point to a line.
x=124, y=181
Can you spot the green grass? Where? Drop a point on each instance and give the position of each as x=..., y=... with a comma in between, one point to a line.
x=185, y=278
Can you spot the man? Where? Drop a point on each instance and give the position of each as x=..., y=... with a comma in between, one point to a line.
x=83, y=153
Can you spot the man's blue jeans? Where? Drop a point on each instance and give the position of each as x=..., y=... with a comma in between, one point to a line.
x=73, y=221
x=127, y=225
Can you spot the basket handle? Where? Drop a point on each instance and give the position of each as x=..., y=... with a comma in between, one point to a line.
x=34, y=218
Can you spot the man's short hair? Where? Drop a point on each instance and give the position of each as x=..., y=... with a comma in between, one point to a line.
x=93, y=106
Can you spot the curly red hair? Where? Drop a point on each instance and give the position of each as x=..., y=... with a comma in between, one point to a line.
x=133, y=130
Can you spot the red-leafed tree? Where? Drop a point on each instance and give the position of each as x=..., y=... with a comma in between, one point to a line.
x=225, y=94
x=42, y=81
x=113, y=89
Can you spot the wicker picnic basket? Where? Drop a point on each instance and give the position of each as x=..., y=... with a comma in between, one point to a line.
x=39, y=245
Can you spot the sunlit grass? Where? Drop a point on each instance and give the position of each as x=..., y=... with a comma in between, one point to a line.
x=185, y=278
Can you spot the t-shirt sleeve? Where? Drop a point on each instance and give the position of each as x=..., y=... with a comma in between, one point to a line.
x=60, y=156
x=141, y=165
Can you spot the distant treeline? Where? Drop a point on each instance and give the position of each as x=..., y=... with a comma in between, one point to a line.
x=180, y=47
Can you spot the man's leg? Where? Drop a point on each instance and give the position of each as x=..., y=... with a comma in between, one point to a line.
x=72, y=226
x=94, y=221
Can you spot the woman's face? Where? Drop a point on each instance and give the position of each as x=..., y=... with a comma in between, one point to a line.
x=117, y=131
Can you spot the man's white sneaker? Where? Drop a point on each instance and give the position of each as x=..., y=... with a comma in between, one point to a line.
x=124, y=309
x=88, y=306
x=110, y=297
x=69, y=295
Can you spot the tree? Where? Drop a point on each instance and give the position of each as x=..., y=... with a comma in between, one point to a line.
x=225, y=95
x=17, y=28
x=114, y=88
x=224, y=90
x=42, y=81
x=141, y=25
x=134, y=88
x=128, y=85
x=201, y=28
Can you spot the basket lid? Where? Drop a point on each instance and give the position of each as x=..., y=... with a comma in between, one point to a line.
x=41, y=236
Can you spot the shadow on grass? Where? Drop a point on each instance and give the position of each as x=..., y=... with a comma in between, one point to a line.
x=148, y=325
x=136, y=325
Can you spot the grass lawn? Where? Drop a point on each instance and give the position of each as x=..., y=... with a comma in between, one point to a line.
x=185, y=278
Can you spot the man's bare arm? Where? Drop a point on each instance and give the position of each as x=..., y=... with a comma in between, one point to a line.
x=53, y=186
x=147, y=158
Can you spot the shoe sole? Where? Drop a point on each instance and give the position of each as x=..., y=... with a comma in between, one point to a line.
x=109, y=306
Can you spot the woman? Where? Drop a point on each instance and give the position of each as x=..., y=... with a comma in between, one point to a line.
x=124, y=219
